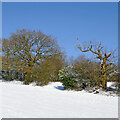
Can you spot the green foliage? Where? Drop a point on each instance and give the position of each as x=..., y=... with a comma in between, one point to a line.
x=71, y=79
x=26, y=82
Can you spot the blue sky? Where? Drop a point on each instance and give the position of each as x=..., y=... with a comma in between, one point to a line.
x=65, y=22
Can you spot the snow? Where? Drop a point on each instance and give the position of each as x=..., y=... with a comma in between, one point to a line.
x=51, y=101
x=111, y=85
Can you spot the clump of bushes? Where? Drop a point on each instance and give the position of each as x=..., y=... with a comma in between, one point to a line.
x=82, y=74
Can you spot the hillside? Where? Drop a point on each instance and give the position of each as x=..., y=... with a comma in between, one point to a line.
x=28, y=101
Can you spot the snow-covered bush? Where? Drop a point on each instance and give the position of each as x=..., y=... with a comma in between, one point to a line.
x=67, y=77
x=71, y=79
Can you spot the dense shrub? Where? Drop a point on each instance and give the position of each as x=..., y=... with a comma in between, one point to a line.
x=67, y=77
x=71, y=79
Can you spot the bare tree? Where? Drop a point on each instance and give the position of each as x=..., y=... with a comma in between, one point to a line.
x=102, y=56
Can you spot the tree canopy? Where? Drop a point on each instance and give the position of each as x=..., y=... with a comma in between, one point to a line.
x=26, y=48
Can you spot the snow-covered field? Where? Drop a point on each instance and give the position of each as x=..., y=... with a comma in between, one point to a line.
x=28, y=101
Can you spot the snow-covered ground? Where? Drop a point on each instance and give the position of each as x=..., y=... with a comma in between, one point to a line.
x=28, y=101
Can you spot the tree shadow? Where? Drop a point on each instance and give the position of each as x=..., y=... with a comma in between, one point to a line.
x=60, y=87
x=111, y=89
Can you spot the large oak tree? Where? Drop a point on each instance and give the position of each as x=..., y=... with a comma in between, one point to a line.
x=26, y=48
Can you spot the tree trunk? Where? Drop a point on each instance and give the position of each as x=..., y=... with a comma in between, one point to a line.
x=103, y=74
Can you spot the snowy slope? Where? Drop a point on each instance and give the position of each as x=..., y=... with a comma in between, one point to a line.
x=27, y=101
